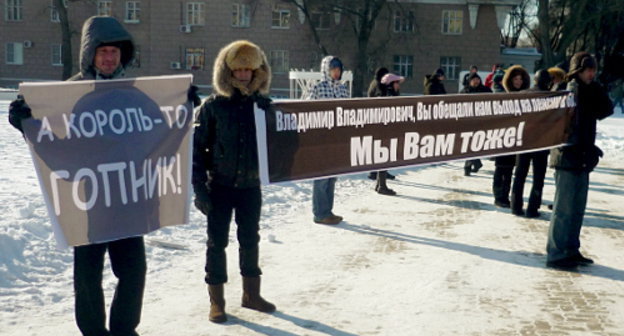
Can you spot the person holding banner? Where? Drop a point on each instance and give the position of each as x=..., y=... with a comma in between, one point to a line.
x=329, y=88
x=474, y=86
x=225, y=170
x=374, y=90
x=516, y=79
x=106, y=51
x=537, y=159
x=574, y=162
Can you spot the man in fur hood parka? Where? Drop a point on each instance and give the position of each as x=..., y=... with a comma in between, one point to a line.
x=225, y=170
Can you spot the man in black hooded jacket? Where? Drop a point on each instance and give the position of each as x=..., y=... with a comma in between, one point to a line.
x=106, y=51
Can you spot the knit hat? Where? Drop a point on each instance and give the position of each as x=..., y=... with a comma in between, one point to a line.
x=391, y=78
x=438, y=73
x=580, y=61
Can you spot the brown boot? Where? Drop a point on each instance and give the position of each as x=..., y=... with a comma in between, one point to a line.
x=252, y=298
x=217, y=304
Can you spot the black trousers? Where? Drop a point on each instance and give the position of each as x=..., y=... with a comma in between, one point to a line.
x=245, y=204
x=127, y=257
x=523, y=161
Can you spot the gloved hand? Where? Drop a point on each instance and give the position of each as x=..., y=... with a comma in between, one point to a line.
x=202, y=201
x=193, y=95
x=263, y=102
x=18, y=111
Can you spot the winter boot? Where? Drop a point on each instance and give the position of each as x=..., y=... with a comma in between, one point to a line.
x=217, y=304
x=252, y=298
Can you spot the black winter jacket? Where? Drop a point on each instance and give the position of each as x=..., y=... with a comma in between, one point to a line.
x=592, y=104
x=225, y=151
x=433, y=86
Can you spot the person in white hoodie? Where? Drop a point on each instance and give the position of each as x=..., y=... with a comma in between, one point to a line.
x=329, y=88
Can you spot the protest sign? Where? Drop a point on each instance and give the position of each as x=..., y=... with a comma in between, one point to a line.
x=312, y=139
x=112, y=156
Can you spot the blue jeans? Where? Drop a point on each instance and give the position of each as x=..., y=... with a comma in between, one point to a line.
x=323, y=198
x=567, y=216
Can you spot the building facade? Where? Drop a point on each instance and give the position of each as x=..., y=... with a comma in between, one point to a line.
x=412, y=38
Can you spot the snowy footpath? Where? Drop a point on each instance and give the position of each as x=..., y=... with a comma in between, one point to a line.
x=438, y=259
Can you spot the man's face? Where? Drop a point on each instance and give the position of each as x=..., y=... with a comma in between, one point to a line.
x=107, y=59
x=587, y=76
x=335, y=73
x=243, y=75
x=475, y=82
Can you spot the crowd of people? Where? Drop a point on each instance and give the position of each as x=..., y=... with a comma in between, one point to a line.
x=225, y=173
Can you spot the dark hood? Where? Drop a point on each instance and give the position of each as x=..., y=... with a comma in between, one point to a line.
x=98, y=30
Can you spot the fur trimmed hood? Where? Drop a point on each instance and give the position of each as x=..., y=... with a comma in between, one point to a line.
x=241, y=54
x=513, y=72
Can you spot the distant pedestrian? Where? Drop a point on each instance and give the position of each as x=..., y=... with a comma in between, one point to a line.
x=434, y=83
x=473, y=70
x=558, y=79
x=573, y=164
x=537, y=159
x=329, y=88
x=489, y=79
x=391, y=84
x=374, y=90
x=516, y=79
x=497, y=81
x=474, y=86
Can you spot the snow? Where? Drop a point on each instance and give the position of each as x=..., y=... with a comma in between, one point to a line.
x=438, y=259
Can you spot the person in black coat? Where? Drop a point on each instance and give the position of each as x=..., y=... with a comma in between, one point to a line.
x=516, y=79
x=539, y=161
x=375, y=89
x=226, y=173
x=106, y=51
x=474, y=86
x=574, y=162
x=433, y=83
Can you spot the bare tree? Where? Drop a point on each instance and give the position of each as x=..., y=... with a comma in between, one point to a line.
x=361, y=16
x=66, y=33
x=518, y=22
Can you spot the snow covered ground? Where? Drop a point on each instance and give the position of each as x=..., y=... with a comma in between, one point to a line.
x=439, y=259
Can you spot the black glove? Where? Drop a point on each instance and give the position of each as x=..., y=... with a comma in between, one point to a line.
x=263, y=102
x=202, y=201
x=193, y=95
x=18, y=111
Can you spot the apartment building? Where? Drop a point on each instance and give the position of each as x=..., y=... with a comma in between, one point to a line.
x=410, y=37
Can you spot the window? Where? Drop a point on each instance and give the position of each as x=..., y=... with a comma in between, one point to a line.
x=194, y=58
x=14, y=53
x=57, y=54
x=13, y=10
x=279, y=61
x=452, y=22
x=54, y=14
x=403, y=21
x=195, y=13
x=403, y=65
x=320, y=20
x=240, y=15
x=451, y=66
x=280, y=18
x=104, y=8
x=133, y=9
